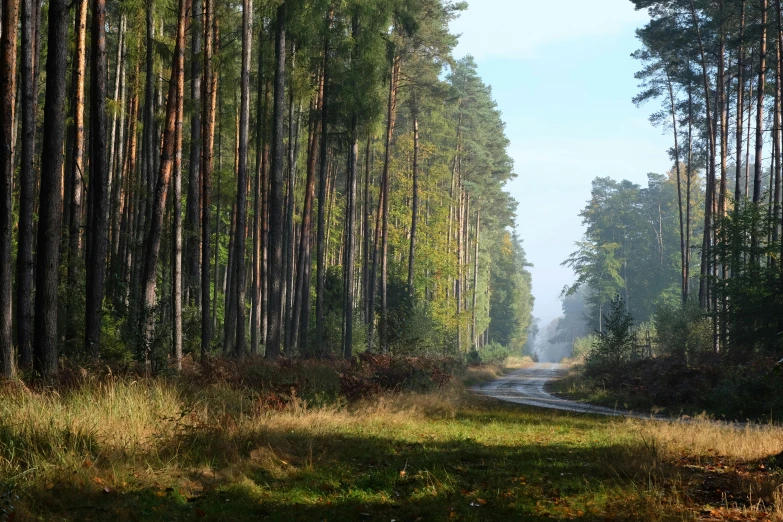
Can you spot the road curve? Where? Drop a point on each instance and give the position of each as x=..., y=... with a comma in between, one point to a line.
x=526, y=386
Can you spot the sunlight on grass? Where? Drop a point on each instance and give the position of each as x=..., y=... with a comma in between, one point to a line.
x=166, y=449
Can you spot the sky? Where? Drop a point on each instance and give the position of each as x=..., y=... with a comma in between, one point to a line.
x=564, y=80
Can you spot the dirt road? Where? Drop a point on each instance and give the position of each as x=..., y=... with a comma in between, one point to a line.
x=526, y=386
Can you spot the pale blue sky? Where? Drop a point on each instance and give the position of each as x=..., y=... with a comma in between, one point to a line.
x=562, y=75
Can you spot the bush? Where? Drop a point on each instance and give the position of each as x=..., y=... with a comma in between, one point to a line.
x=494, y=353
x=683, y=332
x=614, y=346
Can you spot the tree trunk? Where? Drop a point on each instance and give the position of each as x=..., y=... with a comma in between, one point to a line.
x=192, y=225
x=97, y=194
x=176, y=291
x=740, y=108
x=27, y=182
x=391, y=116
x=10, y=15
x=683, y=264
x=76, y=168
x=475, y=278
x=289, y=240
x=322, y=175
x=168, y=162
x=706, y=245
x=276, y=192
x=758, y=169
x=242, y=176
x=414, y=202
x=50, y=212
x=207, y=136
x=256, y=312
x=302, y=291
x=366, y=231
x=350, y=224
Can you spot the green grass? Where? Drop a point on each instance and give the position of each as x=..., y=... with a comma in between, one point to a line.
x=166, y=450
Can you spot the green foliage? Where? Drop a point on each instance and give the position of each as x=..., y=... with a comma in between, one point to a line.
x=613, y=346
x=493, y=353
x=631, y=247
x=683, y=332
x=753, y=293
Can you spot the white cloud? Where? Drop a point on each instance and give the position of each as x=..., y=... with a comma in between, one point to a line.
x=517, y=28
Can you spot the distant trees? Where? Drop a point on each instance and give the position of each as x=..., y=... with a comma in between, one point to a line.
x=716, y=69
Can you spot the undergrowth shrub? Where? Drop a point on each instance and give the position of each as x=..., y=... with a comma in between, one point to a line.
x=682, y=332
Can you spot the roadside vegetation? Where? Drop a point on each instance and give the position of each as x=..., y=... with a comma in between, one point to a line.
x=376, y=439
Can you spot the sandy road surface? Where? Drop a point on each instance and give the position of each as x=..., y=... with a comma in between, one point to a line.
x=526, y=386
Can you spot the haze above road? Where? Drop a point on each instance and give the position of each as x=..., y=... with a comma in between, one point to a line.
x=565, y=91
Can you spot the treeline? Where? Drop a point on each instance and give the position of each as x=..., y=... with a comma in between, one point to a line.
x=715, y=229
x=286, y=178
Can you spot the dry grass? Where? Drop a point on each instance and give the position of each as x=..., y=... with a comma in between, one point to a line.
x=123, y=449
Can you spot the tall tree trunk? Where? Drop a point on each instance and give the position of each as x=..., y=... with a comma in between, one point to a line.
x=76, y=168
x=390, y=119
x=289, y=240
x=168, y=162
x=264, y=226
x=758, y=169
x=24, y=256
x=176, y=291
x=683, y=264
x=112, y=158
x=414, y=201
x=777, y=175
x=10, y=15
x=473, y=332
x=242, y=176
x=207, y=135
x=256, y=311
x=706, y=245
x=230, y=314
x=366, y=282
x=50, y=212
x=97, y=194
x=350, y=224
x=322, y=178
x=276, y=192
x=192, y=225
x=302, y=300
x=740, y=108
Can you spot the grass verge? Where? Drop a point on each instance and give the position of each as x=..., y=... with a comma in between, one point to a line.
x=208, y=448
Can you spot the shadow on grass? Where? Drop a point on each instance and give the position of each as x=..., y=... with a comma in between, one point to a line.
x=282, y=475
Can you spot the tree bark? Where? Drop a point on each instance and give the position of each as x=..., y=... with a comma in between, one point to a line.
x=414, y=201
x=350, y=224
x=168, y=162
x=97, y=194
x=706, y=245
x=192, y=225
x=50, y=212
x=473, y=336
x=391, y=116
x=76, y=168
x=10, y=15
x=256, y=312
x=758, y=168
x=207, y=135
x=242, y=176
x=320, y=275
x=176, y=291
x=366, y=230
x=276, y=192
x=27, y=182
x=683, y=264
x=302, y=293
